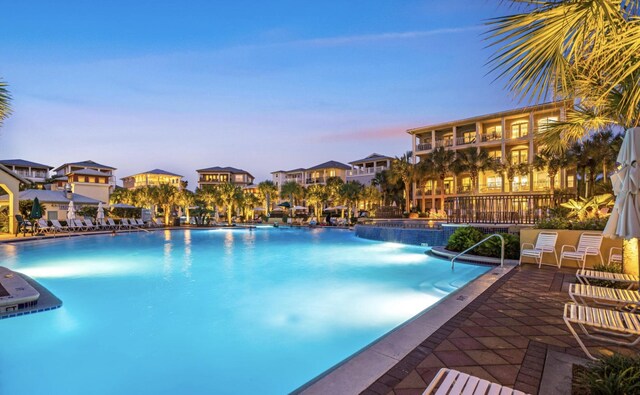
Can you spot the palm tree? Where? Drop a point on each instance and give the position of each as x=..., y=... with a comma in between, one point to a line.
x=552, y=162
x=209, y=196
x=403, y=171
x=316, y=197
x=577, y=156
x=472, y=161
x=5, y=98
x=370, y=195
x=247, y=202
x=186, y=199
x=333, y=185
x=291, y=190
x=166, y=195
x=442, y=163
x=424, y=172
x=122, y=195
x=228, y=195
x=268, y=190
x=604, y=148
x=583, y=51
x=350, y=193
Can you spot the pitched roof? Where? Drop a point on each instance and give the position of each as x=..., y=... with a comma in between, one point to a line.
x=332, y=164
x=85, y=163
x=155, y=171
x=370, y=158
x=89, y=172
x=227, y=169
x=5, y=169
x=24, y=163
x=46, y=196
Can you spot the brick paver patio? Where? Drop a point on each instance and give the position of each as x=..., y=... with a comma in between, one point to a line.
x=502, y=336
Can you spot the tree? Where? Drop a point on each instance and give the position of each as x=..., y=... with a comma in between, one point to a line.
x=350, y=193
x=333, y=185
x=267, y=190
x=209, y=195
x=291, y=190
x=472, y=161
x=316, y=197
x=5, y=99
x=424, y=172
x=371, y=196
x=391, y=190
x=186, y=199
x=229, y=194
x=247, y=202
x=552, y=162
x=402, y=170
x=165, y=196
x=442, y=163
x=580, y=51
x=122, y=196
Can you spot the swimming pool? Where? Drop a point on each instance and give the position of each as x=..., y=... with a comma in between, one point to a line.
x=210, y=311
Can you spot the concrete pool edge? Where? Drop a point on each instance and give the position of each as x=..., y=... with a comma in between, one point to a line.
x=356, y=373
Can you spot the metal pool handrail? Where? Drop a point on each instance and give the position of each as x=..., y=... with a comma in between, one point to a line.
x=480, y=242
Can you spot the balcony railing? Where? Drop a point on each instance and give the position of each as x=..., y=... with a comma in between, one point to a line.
x=502, y=209
x=493, y=187
x=517, y=135
x=464, y=188
x=316, y=180
x=366, y=171
x=491, y=137
x=444, y=143
x=424, y=147
x=465, y=140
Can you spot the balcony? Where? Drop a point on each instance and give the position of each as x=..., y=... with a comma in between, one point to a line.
x=464, y=188
x=444, y=143
x=490, y=188
x=491, y=137
x=317, y=180
x=365, y=171
x=424, y=147
x=513, y=135
x=465, y=140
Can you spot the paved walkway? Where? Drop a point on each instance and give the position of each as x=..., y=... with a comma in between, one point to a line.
x=503, y=336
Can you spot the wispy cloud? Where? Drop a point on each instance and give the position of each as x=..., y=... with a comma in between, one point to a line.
x=364, y=38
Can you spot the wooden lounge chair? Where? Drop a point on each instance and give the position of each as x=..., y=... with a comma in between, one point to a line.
x=452, y=382
x=612, y=297
x=584, y=276
x=612, y=326
x=545, y=243
x=588, y=245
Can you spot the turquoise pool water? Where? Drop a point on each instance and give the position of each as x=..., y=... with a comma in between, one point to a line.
x=210, y=311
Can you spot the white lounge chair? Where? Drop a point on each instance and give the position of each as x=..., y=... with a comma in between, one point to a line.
x=612, y=326
x=124, y=224
x=71, y=225
x=43, y=227
x=584, y=276
x=612, y=297
x=159, y=222
x=112, y=224
x=588, y=245
x=90, y=225
x=545, y=243
x=80, y=225
x=140, y=223
x=615, y=255
x=453, y=382
x=56, y=224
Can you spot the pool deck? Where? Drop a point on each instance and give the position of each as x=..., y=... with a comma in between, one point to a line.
x=506, y=335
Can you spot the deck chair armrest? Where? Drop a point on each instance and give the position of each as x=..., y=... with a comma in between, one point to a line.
x=436, y=380
x=615, y=250
x=592, y=250
x=526, y=245
x=567, y=246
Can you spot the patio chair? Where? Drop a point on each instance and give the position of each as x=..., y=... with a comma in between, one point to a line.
x=159, y=222
x=612, y=297
x=58, y=226
x=124, y=224
x=584, y=276
x=451, y=382
x=546, y=242
x=112, y=224
x=72, y=226
x=588, y=245
x=612, y=326
x=615, y=255
x=80, y=225
x=140, y=223
x=24, y=225
x=43, y=227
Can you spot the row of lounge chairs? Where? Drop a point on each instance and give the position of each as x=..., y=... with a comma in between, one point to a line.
x=88, y=225
x=588, y=245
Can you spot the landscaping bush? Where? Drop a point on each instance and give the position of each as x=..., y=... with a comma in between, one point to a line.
x=554, y=223
x=615, y=374
x=493, y=246
x=464, y=238
x=564, y=223
x=590, y=224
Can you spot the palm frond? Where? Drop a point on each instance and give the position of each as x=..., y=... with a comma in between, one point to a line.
x=5, y=99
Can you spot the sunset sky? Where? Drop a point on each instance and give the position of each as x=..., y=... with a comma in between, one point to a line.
x=262, y=86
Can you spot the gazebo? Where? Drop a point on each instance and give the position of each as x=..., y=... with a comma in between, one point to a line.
x=10, y=182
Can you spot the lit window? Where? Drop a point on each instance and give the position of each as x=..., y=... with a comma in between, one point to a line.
x=519, y=129
x=571, y=181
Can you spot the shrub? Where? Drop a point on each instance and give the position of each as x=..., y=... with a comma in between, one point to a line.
x=493, y=246
x=564, y=223
x=554, y=223
x=590, y=224
x=464, y=238
x=616, y=374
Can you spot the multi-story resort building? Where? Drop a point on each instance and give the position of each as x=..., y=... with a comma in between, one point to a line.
x=219, y=175
x=37, y=173
x=314, y=175
x=508, y=138
x=153, y=177
x=86, y=178
x=364, y=170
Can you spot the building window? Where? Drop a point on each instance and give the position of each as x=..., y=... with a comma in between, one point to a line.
x=571, y=181
x=544, y=122
x=519, y=156
x=495, y=154
x=519, y=129
x=492, y=133
x=494, y=182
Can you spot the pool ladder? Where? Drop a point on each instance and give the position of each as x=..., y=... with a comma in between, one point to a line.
x=480, y=242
